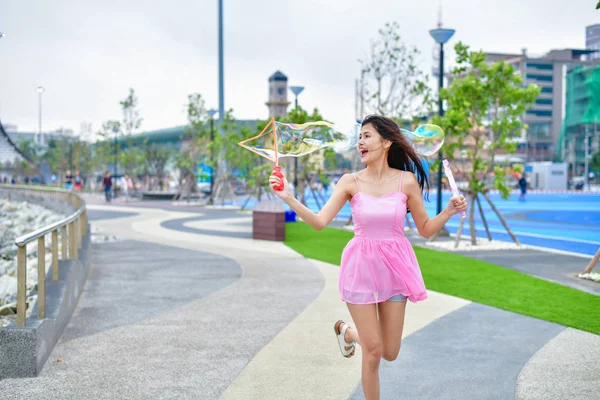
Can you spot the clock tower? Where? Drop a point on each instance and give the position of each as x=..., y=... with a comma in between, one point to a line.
x=278, y=102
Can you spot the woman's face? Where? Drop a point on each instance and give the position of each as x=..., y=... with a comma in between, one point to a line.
x=371, y=145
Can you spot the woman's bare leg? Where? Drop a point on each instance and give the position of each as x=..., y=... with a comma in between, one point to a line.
x=365, y=318
x=391, y=321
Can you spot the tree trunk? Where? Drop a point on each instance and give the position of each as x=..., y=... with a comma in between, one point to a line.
x=592, y=263
x=487, y=230
x=512, y=235
x=459, y=232
x=435, y=235
x=472, y=221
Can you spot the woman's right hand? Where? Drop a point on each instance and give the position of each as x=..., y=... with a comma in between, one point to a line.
x=276, y=181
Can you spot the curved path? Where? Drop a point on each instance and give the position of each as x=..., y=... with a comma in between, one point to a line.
x=186, y=306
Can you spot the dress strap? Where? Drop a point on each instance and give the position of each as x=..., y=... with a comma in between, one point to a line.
x=356, y=180
x=401, y=176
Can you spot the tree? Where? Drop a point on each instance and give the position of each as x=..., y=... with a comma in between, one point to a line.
x=485, y=107
x=131, y=115
x=235, y=160
x=195, y=144
x=107, y=148
x=156, y=160
x=394, y=86
x=31, y=150
x=595, y=162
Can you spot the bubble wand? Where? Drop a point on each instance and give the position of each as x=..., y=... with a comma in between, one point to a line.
x=450, y=177
x=277, y=169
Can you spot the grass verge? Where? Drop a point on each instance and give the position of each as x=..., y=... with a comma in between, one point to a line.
x=470, y=279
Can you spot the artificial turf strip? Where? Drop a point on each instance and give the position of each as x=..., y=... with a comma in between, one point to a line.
x=470, y=279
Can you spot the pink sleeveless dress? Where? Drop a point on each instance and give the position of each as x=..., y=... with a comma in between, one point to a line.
x=379, y=262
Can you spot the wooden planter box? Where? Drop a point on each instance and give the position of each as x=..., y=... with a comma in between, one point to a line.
x=268, y=221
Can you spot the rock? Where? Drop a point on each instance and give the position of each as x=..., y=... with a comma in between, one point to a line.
x=8, y=309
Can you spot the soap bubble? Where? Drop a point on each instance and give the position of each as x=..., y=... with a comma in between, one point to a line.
x=278, y=139
x=427, y=139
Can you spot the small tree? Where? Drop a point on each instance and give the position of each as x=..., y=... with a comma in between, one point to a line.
x=394, y=85
x=131, y=157
x=30, y=149
x=485, y=107
x=156, y=160
x=131, y=115
x=196, y=140
x=595, y=162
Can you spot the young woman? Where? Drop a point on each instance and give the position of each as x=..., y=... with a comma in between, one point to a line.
x=379, y=270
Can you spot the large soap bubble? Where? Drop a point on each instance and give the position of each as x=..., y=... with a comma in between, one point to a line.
x=278, y=139
x=427, y=139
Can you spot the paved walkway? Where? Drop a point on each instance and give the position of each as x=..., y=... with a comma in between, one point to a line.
x=186, y=306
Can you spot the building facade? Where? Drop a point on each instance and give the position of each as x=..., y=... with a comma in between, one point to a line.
x=540, y=141
x=582, y=117
x=592, y=41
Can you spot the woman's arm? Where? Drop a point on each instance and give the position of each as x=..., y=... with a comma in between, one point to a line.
x=333, y=206
x=425, y=225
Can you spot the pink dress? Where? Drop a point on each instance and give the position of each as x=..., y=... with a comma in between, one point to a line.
x=379, y=261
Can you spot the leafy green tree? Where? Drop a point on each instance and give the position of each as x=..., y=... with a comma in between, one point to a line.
x=195, y=143
x=235, y=160
x=595, y=162
x=156, y=160
x=30, y=149
x=486, y=103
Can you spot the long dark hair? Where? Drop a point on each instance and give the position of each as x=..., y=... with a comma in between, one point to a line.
x=401, y=156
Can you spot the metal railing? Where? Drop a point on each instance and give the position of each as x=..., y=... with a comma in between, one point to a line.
x=72, y=229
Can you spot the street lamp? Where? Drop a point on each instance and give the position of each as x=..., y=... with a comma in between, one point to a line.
x=441, y=36
x=40, y=90
x=211, y=114
x=296, y=90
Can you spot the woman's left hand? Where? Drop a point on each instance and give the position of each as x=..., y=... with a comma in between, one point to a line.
x=456, y=204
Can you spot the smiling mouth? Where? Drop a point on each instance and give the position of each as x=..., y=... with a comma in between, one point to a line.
x=363, y=153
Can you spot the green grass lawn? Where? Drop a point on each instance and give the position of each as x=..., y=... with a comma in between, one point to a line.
x=470, y=279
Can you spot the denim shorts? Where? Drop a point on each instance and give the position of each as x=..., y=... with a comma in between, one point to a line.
x=398, y=298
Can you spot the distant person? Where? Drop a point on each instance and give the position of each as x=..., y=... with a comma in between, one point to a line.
x=107, y=183
x=523, y=187
x=126, y=185
x=68, y=180
x=78, y=181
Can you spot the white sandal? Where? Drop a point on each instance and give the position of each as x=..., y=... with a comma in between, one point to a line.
x=346, y=348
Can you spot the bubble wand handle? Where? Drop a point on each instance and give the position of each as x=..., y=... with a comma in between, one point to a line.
x=452, y=183
x=277, y=169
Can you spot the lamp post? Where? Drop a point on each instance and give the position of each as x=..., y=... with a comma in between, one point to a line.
x=211, y=114
x=296, y=90
x=441, y=36
x=39, y=90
